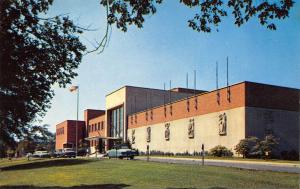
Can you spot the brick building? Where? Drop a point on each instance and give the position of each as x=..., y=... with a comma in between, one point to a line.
x=180, y=120
x=66, y=134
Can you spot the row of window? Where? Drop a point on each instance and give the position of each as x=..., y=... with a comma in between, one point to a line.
x=60, y=131
x=95, y=127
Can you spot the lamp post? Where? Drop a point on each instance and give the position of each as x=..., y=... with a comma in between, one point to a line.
x=76, y=88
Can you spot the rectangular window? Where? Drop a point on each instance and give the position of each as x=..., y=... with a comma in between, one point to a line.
x=116, y=117
x=121, y=121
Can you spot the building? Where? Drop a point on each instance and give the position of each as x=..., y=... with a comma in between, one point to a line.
x=181, y=120
x=66, y=134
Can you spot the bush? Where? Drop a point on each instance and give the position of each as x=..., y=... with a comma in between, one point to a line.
x=265, y=147
x=289, y=155
x=220, y=151
x=245, y=146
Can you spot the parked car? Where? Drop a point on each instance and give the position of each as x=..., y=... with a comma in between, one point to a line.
x=69, y=154
x=57, y=154
x=41, y=154
x=121, y=151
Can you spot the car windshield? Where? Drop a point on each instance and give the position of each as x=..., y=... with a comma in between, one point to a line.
x=121, y=146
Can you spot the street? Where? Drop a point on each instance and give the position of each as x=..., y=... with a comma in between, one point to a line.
x=265, y=166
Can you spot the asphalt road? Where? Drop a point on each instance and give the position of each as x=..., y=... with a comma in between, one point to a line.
x=265, y=166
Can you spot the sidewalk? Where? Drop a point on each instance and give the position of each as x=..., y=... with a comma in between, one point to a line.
x=254, y=165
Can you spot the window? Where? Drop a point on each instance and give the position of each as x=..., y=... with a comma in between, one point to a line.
x=116, y=118
x=102, y=125
x=60, y=131
x=98, y=126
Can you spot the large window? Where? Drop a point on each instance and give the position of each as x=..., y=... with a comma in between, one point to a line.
x=116, y=122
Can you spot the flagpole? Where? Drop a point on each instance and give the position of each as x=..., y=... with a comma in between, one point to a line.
x=77, y=121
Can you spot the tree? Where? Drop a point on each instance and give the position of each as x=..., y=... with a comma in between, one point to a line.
x=220, y=151
x=209, y=14
x=38, y=138
x=35, y=53
x=245, y=146
x=266, y=147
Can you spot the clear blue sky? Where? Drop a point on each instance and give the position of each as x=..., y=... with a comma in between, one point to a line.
x=166, y=49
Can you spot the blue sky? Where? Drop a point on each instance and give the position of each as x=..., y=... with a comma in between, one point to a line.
x=166, y=49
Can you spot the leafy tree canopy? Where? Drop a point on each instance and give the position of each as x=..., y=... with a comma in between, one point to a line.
x=210, y=12
x=35, y=53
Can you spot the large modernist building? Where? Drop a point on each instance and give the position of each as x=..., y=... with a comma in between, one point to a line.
x=181, y=120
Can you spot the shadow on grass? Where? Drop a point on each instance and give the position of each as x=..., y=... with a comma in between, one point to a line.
x=44, y=164
x=99, y=186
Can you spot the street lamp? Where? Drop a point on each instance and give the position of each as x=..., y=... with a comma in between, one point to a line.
x=76, y=88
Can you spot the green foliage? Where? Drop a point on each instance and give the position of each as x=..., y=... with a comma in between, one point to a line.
x=35, y=54
x=220, y=151
x=39, y=138
x=253, y=147
x=208, y=13
x=264, y=148
x=245, y=146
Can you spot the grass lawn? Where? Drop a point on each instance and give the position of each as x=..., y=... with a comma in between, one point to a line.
x=91, y=173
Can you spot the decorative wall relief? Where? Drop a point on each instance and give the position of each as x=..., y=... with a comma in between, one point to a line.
x=222, y=124
x=151, y=114
x=191, y=128
x=148, y=134
x=132, y=136
x=131, y=120
x=188, y=105
x=167, y=131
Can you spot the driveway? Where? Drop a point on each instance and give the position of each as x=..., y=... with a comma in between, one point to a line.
x=254, y=165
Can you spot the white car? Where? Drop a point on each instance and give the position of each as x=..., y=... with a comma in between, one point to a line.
x=41, y=154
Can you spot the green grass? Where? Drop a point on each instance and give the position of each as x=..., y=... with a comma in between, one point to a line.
x=91, y=173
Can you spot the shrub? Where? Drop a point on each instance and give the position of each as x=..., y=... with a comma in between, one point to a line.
x=245, y=146
x=265, y=147
x=220, y=151
x=289, y=155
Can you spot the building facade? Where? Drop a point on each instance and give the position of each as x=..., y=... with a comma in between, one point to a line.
x=221, y=117
x=66, y=134
x=181, y=120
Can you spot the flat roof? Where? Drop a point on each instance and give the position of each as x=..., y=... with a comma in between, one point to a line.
x=69, y=120
x=154, y=89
